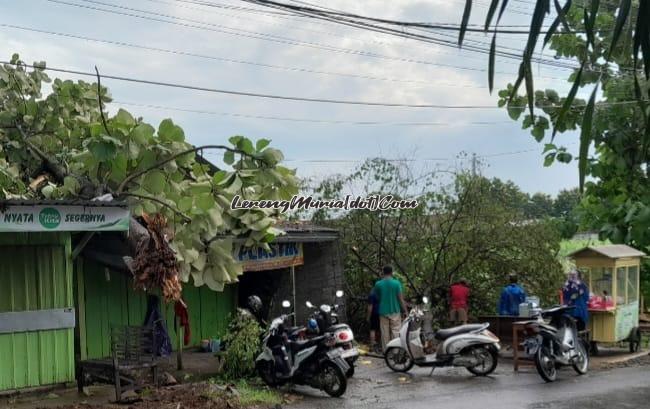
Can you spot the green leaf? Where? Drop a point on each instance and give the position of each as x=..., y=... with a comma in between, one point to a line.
x=491, y=62
x=568, y=101
x=463, y=25
x=548, y=159
x=515, y=111
x=490, y=13
x=621, y=18
x=167, y=131
x=561, y=17
x=538, y=133
x=229, y=157
x=272, y=156
x=102, y=151
x=186, y=203
x=549, y=147
x=261, y=144
x=585, y=137
x=124, y=118
x=142, y=134
x=205, y=201
x=219, y=176
x=246, y=145
x=155, y=181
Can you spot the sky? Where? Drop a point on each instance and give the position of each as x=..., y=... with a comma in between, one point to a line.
x=216, y=44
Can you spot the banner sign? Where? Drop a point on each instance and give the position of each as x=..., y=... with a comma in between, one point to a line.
x=63, y=218
x=282, y=255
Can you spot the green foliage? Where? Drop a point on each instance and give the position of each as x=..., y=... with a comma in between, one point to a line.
x=614, y=134
x=474, y=228
x=242, y=346
x=135, y=161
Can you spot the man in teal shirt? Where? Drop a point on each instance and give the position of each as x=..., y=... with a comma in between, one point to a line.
x=388, y=291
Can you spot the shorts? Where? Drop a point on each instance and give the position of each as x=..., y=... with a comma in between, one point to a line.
x=374, y=323
x=458, y=315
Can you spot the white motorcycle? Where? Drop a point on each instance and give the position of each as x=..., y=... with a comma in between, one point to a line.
x=470, y=346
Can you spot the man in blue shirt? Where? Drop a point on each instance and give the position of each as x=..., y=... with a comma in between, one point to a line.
x=511, y=296
x=575, y=293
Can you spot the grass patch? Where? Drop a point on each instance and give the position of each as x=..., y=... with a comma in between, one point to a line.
x=251, y=394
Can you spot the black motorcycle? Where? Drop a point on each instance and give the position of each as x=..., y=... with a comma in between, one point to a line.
x=556, y=343
x=314, y=362
x=327, y=321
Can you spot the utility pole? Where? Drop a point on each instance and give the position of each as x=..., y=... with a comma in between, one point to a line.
x=473, y=164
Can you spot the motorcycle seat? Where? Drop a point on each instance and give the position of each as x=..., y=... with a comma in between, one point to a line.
x=337, y=327
x=297, y=346
x=461, y=329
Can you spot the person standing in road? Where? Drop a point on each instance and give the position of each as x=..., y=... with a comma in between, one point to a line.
x=458, y=302
x=373, y=319
x=511, y=296
x=391, y=303
x=576, y=294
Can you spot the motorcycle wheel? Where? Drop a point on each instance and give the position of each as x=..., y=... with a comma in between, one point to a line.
x=265, y=371
x=334, y=382
x=398, y=359
x=489, y=361
x=350, y=372
x=581, y=361
x=545, y=364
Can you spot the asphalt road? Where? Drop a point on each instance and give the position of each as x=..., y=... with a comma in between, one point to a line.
x=376, y=387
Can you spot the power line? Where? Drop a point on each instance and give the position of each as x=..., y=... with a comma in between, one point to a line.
x=283, y=97
x=236, y=61
x=289, y=41
x=311, y=120
x=354, y=20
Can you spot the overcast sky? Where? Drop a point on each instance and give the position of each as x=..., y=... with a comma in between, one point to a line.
x=405, y=72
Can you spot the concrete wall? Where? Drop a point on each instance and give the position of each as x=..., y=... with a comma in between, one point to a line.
x=317, y=280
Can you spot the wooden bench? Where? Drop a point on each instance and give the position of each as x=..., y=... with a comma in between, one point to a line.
x=133, y=349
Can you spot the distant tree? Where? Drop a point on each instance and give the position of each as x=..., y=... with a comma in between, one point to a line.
x=464, y=229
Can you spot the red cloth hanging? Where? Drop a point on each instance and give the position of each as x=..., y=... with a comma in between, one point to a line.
x=181, y=314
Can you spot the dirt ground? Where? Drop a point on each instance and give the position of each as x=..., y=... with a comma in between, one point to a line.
x=200, y=395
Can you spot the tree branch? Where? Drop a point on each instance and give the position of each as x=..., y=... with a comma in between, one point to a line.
x=175, y=156
x=99, y=100
x=153, y=199
x=55, y=168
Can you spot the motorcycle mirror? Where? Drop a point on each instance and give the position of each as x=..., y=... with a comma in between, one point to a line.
x=286, y=304
x=309, y=304
x=425, y=300
x=339, y=294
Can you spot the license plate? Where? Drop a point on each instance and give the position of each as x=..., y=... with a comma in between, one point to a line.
x=347, y=353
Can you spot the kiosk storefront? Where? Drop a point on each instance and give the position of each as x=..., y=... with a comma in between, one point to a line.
x=37, y=302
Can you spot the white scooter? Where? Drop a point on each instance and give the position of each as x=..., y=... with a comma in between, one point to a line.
x=471, y=346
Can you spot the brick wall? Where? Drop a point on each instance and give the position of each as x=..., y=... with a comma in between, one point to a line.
x=317, y=280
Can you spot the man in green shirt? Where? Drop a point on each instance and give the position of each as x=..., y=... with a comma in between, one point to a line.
x=391, y=303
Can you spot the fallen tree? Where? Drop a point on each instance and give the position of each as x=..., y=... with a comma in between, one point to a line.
x=63, y=145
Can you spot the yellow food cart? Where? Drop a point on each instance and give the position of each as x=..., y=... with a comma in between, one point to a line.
x=612, y=275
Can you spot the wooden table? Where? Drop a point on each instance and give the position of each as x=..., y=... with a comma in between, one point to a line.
x=517, y=330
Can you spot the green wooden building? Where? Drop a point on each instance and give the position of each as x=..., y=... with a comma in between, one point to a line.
x=58, y=302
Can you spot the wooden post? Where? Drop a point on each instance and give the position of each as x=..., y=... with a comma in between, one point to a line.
x=293, y=293
x=179, y=352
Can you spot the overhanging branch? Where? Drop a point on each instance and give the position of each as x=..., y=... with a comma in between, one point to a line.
x=174, y=157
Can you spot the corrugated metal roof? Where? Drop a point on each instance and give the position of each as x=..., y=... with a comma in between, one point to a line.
x=67, y=202
x=303, y=226
x=611, y=251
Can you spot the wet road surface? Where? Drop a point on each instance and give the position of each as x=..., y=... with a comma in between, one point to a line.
x=377, y=387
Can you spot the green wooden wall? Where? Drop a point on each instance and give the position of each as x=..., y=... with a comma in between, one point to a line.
x=108, y=299
x=35, y=273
